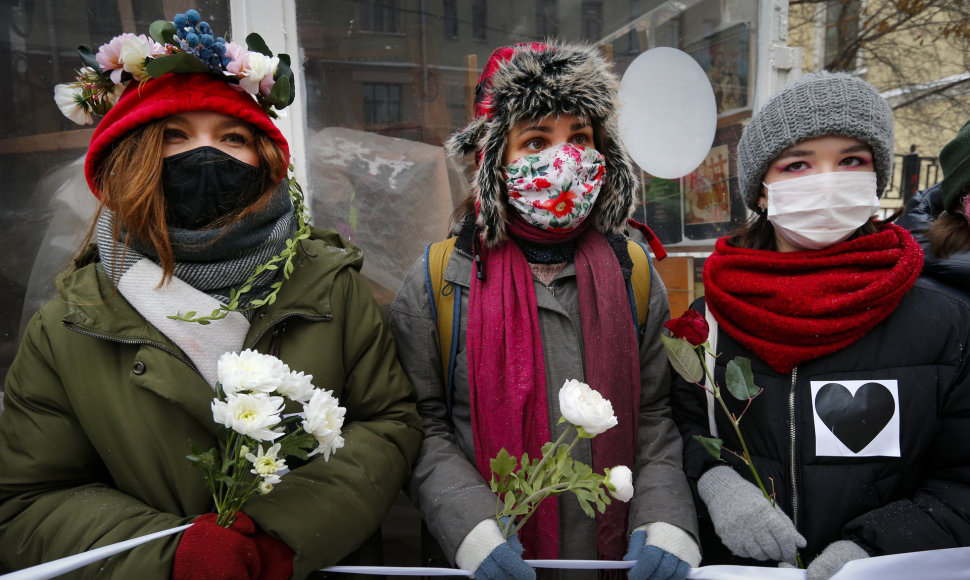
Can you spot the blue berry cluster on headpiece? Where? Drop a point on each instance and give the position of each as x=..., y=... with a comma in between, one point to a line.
x=197, y=38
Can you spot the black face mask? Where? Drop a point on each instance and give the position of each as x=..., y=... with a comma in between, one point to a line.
x=205, y=184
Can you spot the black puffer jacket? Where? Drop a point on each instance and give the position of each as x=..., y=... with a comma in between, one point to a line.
x=914, y=394
x=921, y=211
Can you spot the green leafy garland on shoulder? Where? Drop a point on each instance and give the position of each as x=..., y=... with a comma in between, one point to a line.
x=286, y=257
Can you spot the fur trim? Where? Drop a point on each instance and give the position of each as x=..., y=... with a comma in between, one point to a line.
x=571, y=79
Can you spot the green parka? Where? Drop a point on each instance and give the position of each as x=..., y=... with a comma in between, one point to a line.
x=101, y=409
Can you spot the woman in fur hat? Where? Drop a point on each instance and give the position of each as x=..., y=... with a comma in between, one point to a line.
x=938, y=217
x=114, y=380
x=863, y=368
x=539, y=270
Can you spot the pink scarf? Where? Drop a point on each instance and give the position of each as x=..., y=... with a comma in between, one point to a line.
x=507, y=381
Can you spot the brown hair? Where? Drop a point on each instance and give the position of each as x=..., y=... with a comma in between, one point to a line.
x=130, y=180
x=949, y=233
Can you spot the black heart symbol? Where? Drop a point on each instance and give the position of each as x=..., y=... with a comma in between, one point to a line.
x=855, y=420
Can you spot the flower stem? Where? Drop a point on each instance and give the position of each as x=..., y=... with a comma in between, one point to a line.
x=552, y=453
x=536, y=497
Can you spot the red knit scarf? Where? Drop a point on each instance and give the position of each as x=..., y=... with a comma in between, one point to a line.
x=792, y=307
x=507, y=380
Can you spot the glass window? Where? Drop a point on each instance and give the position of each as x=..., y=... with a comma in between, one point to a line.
x=384, y=84
x=382, y=103
x=547, y=18
x=450, y=18
x=378, y=15
x=479, y=19
x=591, y=20
x=841, y=29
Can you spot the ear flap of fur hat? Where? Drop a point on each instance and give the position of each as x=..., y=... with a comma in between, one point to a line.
x=531, y=82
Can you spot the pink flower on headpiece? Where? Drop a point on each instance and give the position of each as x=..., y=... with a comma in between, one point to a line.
x=128, y=53
x=255, y=71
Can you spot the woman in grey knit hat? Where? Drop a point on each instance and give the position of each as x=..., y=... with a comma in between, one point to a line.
x=862, y=399
x=547, y=285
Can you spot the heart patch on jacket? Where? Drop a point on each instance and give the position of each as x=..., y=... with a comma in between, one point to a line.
x=856, y=418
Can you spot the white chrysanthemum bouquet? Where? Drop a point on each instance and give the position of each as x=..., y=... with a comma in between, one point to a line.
x=251, y=394
x=520, y=491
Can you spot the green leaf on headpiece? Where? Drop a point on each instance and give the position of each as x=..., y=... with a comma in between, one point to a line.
x=163, y=32
x=283, y=70
x=279, y=96
x=88, y=58
x=255, y=43
x=182, y=62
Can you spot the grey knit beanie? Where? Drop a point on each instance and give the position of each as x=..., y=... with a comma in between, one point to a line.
x=815, y=105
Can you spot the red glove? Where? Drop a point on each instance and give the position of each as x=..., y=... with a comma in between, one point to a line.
x=276, y=557
x=208, y=551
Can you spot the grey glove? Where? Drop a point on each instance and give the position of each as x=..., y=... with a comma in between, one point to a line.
x=833, y=557
x=745, y=520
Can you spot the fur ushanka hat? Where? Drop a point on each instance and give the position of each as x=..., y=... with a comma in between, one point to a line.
x=530, y=82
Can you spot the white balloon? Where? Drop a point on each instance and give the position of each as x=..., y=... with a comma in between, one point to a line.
x=667, y=115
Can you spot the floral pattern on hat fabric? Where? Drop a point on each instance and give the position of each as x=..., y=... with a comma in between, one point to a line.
x=556, y=188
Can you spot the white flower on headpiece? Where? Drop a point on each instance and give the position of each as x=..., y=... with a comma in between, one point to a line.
x=70, y=100
x=128, y=53
x=255, y=72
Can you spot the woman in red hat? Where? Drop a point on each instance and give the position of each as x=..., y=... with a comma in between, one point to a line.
x=114, y=379
x=549, y=289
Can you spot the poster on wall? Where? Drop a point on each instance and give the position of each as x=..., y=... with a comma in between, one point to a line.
x=724, y=56
x=712, y=203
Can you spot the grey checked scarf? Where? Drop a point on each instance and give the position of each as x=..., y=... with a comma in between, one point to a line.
x=213, y=261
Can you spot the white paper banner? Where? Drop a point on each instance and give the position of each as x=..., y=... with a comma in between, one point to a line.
x=65, y=565
x=950, y=564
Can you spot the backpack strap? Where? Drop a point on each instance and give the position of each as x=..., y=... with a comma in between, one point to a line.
x=445, y=300
x=638, y=286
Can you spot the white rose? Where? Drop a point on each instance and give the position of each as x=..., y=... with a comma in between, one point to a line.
x=251, y=372
x=621, y=478
x=323, y=418
x=69, y=99
x=584, y=407
x=251, y=415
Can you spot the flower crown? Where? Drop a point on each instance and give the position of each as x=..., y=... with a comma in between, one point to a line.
x=186, y=45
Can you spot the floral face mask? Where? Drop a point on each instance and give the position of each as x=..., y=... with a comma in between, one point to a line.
x=555, y=189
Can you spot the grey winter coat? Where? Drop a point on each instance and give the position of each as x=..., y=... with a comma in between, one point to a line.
x=452, y=495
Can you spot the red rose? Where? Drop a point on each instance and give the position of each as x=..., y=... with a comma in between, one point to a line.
x=541, y=182
x=691, y=326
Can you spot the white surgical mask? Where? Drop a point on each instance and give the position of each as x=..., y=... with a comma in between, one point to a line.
x=816, y=211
